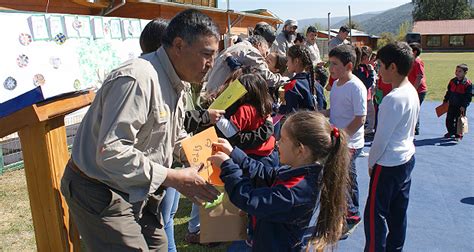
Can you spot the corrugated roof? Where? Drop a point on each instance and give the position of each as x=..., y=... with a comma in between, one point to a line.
x=439, y=27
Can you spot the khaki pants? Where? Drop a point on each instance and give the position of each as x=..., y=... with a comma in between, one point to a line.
x=107, y=221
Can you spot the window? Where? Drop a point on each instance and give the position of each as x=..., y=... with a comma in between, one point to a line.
x=433, y=41
x=456, y=40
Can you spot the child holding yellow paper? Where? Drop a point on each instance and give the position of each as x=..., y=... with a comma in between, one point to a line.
x=249, y=113
x=316, y=158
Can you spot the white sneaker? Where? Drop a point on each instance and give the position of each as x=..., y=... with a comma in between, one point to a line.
x=363, y=154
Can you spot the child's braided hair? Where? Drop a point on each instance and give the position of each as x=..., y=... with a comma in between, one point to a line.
x=302, y=53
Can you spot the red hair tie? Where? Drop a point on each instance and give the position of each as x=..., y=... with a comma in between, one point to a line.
x=335, y=132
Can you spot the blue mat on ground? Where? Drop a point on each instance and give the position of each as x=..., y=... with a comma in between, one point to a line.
x=441, y=208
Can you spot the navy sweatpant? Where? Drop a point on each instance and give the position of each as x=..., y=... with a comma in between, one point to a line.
x=385, y=216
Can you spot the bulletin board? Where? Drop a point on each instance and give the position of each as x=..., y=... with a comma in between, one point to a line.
x=62, y=53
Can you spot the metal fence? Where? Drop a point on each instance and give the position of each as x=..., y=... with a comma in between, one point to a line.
x=11, y=157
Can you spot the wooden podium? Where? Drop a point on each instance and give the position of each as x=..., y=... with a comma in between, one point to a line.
x=43, y=141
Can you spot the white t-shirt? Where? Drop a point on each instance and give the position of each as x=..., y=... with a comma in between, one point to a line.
x=393, y=141
x=348, y=101
x=314, y=52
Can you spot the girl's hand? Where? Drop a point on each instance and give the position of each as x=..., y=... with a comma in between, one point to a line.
x=215, y=115
x=222, y=145
x=218, y=158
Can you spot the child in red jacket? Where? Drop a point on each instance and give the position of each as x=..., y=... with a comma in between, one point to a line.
x=459, y=95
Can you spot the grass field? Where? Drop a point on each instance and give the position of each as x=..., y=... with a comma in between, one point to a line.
x=16, y=225
x=16, y=228
x=439, y=69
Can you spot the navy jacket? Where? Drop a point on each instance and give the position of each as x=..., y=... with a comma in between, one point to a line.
x=298, y=95
x=283, y=210
x=459, y=93
x=365, y=75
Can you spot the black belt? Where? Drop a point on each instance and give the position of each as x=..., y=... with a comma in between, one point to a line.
x=76, y=169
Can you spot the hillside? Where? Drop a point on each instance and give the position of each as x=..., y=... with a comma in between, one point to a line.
x=371, y=22
x=388, y=21
x=323, y=22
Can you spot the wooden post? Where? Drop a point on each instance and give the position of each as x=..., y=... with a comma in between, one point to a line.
x=43, y=139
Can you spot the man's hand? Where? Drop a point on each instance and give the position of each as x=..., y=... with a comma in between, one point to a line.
x=188, y=182
x=222, y=145
x=215, y=115
x=218, y=158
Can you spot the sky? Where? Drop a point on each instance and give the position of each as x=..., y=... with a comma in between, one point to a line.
x=302, y=9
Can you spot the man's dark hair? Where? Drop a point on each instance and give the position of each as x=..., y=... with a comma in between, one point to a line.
x=311, y=29
x=398, y=53
x=281, y=64
x=463, y=67
x=344, y=28
x=321, y=75
x=189, y=25
x=257, y=40
x=416, y=47
x=266, y=31
x=345, y=53
x=150, y=38
x=299, y=37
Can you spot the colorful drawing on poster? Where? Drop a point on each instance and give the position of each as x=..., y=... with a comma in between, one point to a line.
x=98, y=27
x=38, y=80
x=136, y=28
x=131, y=28
x=85, y=29
x=198, y=149
x=77, y=24
x=77, y=84
x=60, y=38
x=22, y=61
x=106, y=28
x=55, y=62
x=71, y=32
x=24, y=39
x=56, y=25
x=9, y=83
x=115, y=29
x=38, y=27
x=231, y=94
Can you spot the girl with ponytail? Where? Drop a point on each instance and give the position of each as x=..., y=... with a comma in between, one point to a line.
x=314, y=175
x=300, y=91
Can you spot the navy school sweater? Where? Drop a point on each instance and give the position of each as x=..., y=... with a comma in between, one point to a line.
x=283, y=209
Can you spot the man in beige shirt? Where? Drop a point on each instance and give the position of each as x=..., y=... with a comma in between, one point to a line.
x=124, y=146
x=249, y=53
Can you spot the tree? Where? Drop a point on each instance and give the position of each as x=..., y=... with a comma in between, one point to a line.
x=403, y=29
x=354, y=25
x=385, y=38
x=441, y=9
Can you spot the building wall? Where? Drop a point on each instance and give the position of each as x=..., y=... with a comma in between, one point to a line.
x=468, y=43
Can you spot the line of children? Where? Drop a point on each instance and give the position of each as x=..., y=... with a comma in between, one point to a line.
x=366, y=73
x=459, y=95
x=315, y=157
